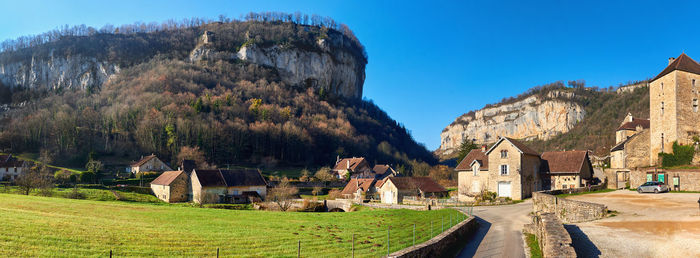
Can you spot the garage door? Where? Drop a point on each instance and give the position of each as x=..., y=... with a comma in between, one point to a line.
x=388, y=197
x=504, y=189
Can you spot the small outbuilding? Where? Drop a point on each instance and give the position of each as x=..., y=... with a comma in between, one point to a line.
x=228, y=186
x=395, y=189
x=149, y=163
x=171, y=186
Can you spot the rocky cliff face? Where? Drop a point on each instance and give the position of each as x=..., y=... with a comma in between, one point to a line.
x=337, y=72
x=75, y=72
x=534, y=117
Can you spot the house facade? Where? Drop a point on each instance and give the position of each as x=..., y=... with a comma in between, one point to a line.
x=631, y=147
x=393, y=190
x=360, y=189
x=149, y=163
x=227, y=186
x=566, y=169
x=172, y=186
x=10, y=167
x=352, y=167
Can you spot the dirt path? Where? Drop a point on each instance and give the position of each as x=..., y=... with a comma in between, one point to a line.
x=648, y=225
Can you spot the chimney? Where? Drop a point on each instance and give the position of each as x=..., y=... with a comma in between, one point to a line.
x=337, y=159
x=483, y=147
x=630, y=118
x=670, y=60
x=348, y=165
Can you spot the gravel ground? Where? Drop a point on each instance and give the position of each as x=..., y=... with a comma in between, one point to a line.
x=647, y=225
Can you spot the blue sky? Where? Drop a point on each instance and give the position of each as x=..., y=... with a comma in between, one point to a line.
x=431, y=61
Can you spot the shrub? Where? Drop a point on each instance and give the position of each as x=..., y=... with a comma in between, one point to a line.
x=226, y=206
x=682, y=155
x=309, y=206
x=334, y=194
x=75, y=194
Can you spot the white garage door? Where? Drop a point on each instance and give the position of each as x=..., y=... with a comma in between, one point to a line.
x=388, y=197
x=504, y=189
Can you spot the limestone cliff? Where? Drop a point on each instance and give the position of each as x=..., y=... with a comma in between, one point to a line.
x=534, y=117
x=337, y=71
x=53, y=72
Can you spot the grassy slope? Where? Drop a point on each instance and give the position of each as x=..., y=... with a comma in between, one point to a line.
x=41, y=226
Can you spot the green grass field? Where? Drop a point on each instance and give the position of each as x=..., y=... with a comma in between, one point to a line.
x=45, y=226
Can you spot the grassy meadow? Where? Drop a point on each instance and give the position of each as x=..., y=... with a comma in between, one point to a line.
x=45, y=226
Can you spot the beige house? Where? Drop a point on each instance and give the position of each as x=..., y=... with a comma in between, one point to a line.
x=172, y=186
x=394, y=189
x=360, y=189
x=566, y=169
x=10, y=167
x=227, y=186
x=673, y=104
x=631, y=144
x=149, y=163
x=509, y=168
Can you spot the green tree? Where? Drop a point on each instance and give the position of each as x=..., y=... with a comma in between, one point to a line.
x=464, y=149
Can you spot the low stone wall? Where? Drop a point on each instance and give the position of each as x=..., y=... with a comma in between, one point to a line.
x=440, y=243
x=553, y=238
x=569, y=211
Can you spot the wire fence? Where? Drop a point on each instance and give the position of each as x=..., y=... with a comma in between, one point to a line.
x=324, y=241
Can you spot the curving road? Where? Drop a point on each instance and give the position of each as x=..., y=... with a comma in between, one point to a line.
x=500, y=231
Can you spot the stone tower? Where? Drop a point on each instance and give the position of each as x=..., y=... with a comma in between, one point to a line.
x=673, y=106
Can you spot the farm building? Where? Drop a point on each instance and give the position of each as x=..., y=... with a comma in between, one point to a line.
x=148, y=163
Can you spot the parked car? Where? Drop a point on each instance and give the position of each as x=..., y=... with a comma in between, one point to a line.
x=652, y=187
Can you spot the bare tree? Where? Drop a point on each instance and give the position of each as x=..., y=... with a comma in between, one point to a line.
x=283, y=194
x=35, y=177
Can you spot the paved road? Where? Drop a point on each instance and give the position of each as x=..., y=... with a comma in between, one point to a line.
x=500, y=231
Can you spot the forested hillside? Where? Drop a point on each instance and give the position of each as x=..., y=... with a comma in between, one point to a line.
x=235, y=111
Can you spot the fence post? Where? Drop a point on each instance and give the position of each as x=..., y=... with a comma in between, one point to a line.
x=353, y=245
x=388, y=236
x=431, y=229
x=217, y=252
x=443, y=224
x=299, y=249
x=110, y=253
x=414, y=234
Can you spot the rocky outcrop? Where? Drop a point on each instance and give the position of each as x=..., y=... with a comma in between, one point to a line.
x=535, y=117
x=337, y=71
x=75, y=72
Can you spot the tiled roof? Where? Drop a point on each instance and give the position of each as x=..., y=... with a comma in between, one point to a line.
x=519, y=145
x=563, y=161
x=425, y=184
x=682, y=63
x=353, y=163
x=644, y=123
x=380, y=169
x=166, y=178
x=229, y=178
x=143, y=160
x=363, y=183
x=621, y=145
x=475, y=154
x=7, y=161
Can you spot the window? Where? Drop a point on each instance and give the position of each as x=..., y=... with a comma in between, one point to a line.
x=476, y=170
x=662, y=108
x=693, y=83
x=695, y=105
x=662, y=88
x=504, y=170
x=662, y=142
x=504, y=154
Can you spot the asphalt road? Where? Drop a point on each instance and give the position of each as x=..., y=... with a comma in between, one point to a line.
x=500, y=231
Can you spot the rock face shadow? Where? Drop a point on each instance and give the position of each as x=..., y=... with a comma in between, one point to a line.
x=582, y=244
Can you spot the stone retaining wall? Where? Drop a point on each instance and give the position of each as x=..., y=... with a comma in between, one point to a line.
x=553, y=238
x=440, y=243
x=569, y=211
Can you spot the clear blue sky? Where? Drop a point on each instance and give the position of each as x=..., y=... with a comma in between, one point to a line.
x=431, y=61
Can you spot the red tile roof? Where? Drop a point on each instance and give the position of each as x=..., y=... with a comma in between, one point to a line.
x=166, y=178
x=682, y=63
x=143, y=160
x=425, y=184
x=353, y=163
x=352, y=186
x=644, y=123
x=563, y=161
x=7, y=161
x=475, y=154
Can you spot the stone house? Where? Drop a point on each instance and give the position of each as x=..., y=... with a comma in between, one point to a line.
x=227, y=186
x=512, y=170
x=148, y=163
x=172, y=186
x=673, y=104
x=631, y=144
x=10, y=167
x=360, y=189
x=352, y=167
x=566, y=169
x=394, y=189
